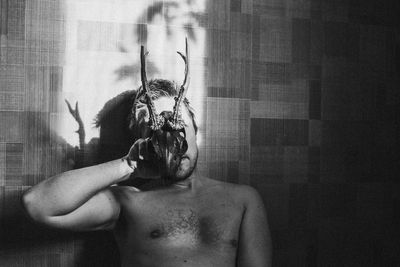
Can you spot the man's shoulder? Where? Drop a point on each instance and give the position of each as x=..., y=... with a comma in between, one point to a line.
x=230, y=186
x=243, y=195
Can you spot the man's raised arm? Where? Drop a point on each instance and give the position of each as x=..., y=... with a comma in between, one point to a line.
x=78, y=199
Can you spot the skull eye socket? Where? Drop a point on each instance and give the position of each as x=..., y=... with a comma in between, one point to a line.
x=183, y=147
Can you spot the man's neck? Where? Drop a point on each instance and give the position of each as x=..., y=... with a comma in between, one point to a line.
x=156, y=184
x=184, y=184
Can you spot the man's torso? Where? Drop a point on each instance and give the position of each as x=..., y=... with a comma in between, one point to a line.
x=180, y=227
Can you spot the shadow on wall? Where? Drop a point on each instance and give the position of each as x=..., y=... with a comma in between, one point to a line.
x=19, y=235
x=164, y=9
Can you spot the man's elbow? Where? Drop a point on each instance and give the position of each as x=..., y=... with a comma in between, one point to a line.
x=30, y=204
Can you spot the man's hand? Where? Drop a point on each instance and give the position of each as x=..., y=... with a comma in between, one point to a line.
x=143, y=159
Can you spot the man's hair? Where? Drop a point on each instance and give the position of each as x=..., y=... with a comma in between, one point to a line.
x=122, y=106
x=163, y=88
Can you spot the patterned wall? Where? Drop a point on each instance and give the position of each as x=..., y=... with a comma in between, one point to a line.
x=31, y=60
x=302, y=99
x=300, y=102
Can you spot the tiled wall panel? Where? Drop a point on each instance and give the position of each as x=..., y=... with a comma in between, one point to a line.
x=321, y=75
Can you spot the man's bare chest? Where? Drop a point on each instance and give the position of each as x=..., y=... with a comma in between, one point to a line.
x=189, y=224
x=191, y=227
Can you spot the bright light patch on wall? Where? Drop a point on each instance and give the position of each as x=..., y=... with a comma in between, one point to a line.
x=103, y=41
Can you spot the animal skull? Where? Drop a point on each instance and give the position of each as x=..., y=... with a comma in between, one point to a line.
x=168, y=137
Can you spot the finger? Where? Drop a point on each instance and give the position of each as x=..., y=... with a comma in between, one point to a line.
x=133, y=152
x=135, y=149
x=142, y=150
x=139, y=146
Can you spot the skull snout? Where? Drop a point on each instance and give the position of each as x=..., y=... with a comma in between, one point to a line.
x=170, y=146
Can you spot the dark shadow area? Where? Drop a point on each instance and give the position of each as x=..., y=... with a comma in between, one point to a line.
x=18, y=234
x=323, y=130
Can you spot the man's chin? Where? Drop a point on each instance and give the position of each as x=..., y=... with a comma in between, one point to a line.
x=184, y=171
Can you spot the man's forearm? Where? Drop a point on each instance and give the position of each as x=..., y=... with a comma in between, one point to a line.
x=65, y=192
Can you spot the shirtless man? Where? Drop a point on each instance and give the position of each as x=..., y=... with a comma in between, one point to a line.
x=188, y=220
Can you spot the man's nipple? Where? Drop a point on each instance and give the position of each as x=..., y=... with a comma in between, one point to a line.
x=156, y=234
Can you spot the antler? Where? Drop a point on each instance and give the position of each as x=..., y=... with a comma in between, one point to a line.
x=176, y=122
x=155, y=121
